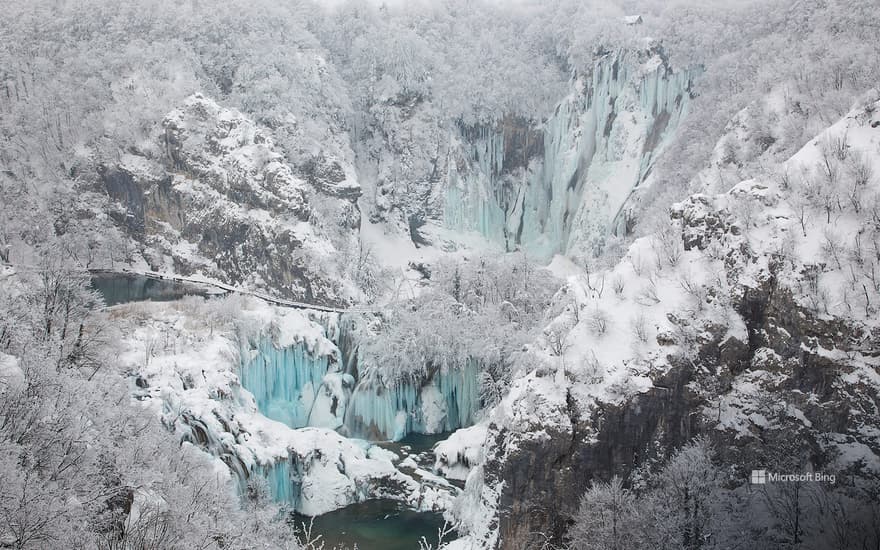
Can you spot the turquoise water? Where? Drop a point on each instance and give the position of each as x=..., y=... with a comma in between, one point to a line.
x=121, y=288
x=375, y=525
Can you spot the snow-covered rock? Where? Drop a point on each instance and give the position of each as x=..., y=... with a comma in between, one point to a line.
x=456, y=455
x=224, y=203
x=752, y=320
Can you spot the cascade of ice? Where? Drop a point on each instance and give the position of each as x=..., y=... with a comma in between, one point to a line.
x=600, y=144
x=284, y=381
x=194, y=430
x=283, y=487
x=472, y=202
x=300, y=386
x=346, y=341
x=460, y=390
x=380, y=410
x=472, y=207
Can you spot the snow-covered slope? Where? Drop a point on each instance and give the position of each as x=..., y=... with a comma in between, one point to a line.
x=752, y=318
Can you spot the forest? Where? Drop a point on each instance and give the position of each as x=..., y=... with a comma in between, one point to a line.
x=373, y=91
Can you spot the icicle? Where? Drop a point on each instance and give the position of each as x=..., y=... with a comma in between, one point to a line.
x=579, y=189
x=284, y=382
x=284, y=487
x=447, y=401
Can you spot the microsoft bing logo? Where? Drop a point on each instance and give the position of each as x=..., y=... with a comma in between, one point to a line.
x=762, y=477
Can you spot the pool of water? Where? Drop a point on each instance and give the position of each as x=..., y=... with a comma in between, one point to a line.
x=375, y=525
x=121, y=288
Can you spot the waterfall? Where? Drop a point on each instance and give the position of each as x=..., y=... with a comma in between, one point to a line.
x=282, y=486
x=285, y=382
x=598, y=146
x=304, y=386
x=389, y=410
x=300, y=388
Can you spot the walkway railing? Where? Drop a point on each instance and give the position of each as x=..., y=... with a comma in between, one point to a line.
x=230, y=288
x=223, y=286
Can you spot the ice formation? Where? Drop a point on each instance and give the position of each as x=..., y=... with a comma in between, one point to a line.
x=285, y=382
x=307, y=383
x=324, y=471
x=598, y=146
x=266, y=393
x=302, y=387
x=390, y=410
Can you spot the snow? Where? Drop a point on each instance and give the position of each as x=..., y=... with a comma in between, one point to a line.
x=456, y=455
x=330, y=403
x=590, y=165
x=853, y=453
x=190, y=370
x=377, y=452
x=563, y=267
x=397, y=253
x=475, y=509
x=11, y=375
x=409, y=462
x=140, y=166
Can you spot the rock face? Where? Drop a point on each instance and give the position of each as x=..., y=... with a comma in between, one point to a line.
x=744, y=330
x=543, y=480
x=222, y=202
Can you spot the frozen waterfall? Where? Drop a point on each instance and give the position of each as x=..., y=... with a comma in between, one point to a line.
x=599, y=145
x=285, y=381
x=381, y=410
x=315, y=389
x=300, y=388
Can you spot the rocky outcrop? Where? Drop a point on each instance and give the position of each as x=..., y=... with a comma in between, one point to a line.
x=222, y=202
x=812, y=403
x=543, y=480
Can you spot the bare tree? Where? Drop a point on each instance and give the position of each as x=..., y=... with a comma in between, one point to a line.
x=606, y=518
x=861, y=173
x=639, y=327
x=598, y=321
